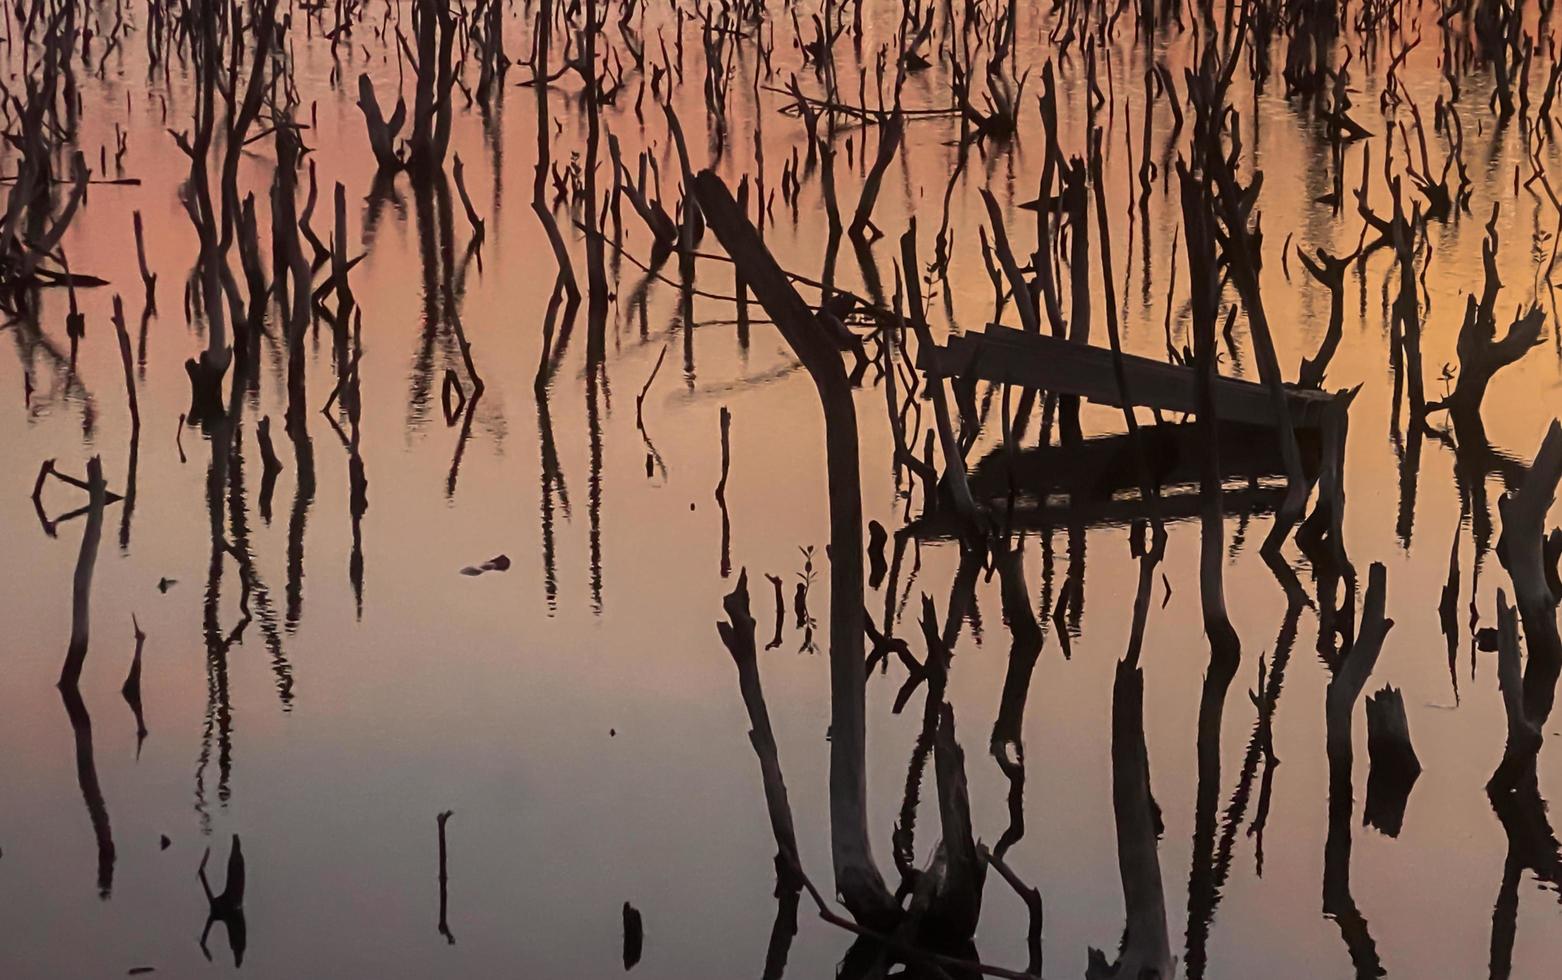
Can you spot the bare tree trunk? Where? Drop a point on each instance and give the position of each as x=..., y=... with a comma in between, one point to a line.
x=857, y=878
x=1522, y=550
x=81, y=585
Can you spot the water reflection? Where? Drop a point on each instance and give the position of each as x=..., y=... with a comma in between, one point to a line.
x=1157, y=126
x=91, y=792
x=227, y=907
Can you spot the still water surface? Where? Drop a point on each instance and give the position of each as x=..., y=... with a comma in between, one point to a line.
x=577, y=711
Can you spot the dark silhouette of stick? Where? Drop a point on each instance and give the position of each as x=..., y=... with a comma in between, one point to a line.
x=86, y=561
x=228, y=907
x=444, y=877
x=132, y=686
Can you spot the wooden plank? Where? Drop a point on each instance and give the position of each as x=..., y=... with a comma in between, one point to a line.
x=1008, y=356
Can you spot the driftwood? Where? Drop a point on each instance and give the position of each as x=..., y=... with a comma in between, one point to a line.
x=270, y=464
x=288, y=255
x=1004, y=355
x=217, y=219
x=1326, y=524
x=1225, y=646
x=565, y=279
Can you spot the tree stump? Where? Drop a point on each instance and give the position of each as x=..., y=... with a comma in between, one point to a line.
x=1394, y=767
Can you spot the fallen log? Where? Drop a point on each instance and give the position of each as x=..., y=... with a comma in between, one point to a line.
x=1003, y=355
